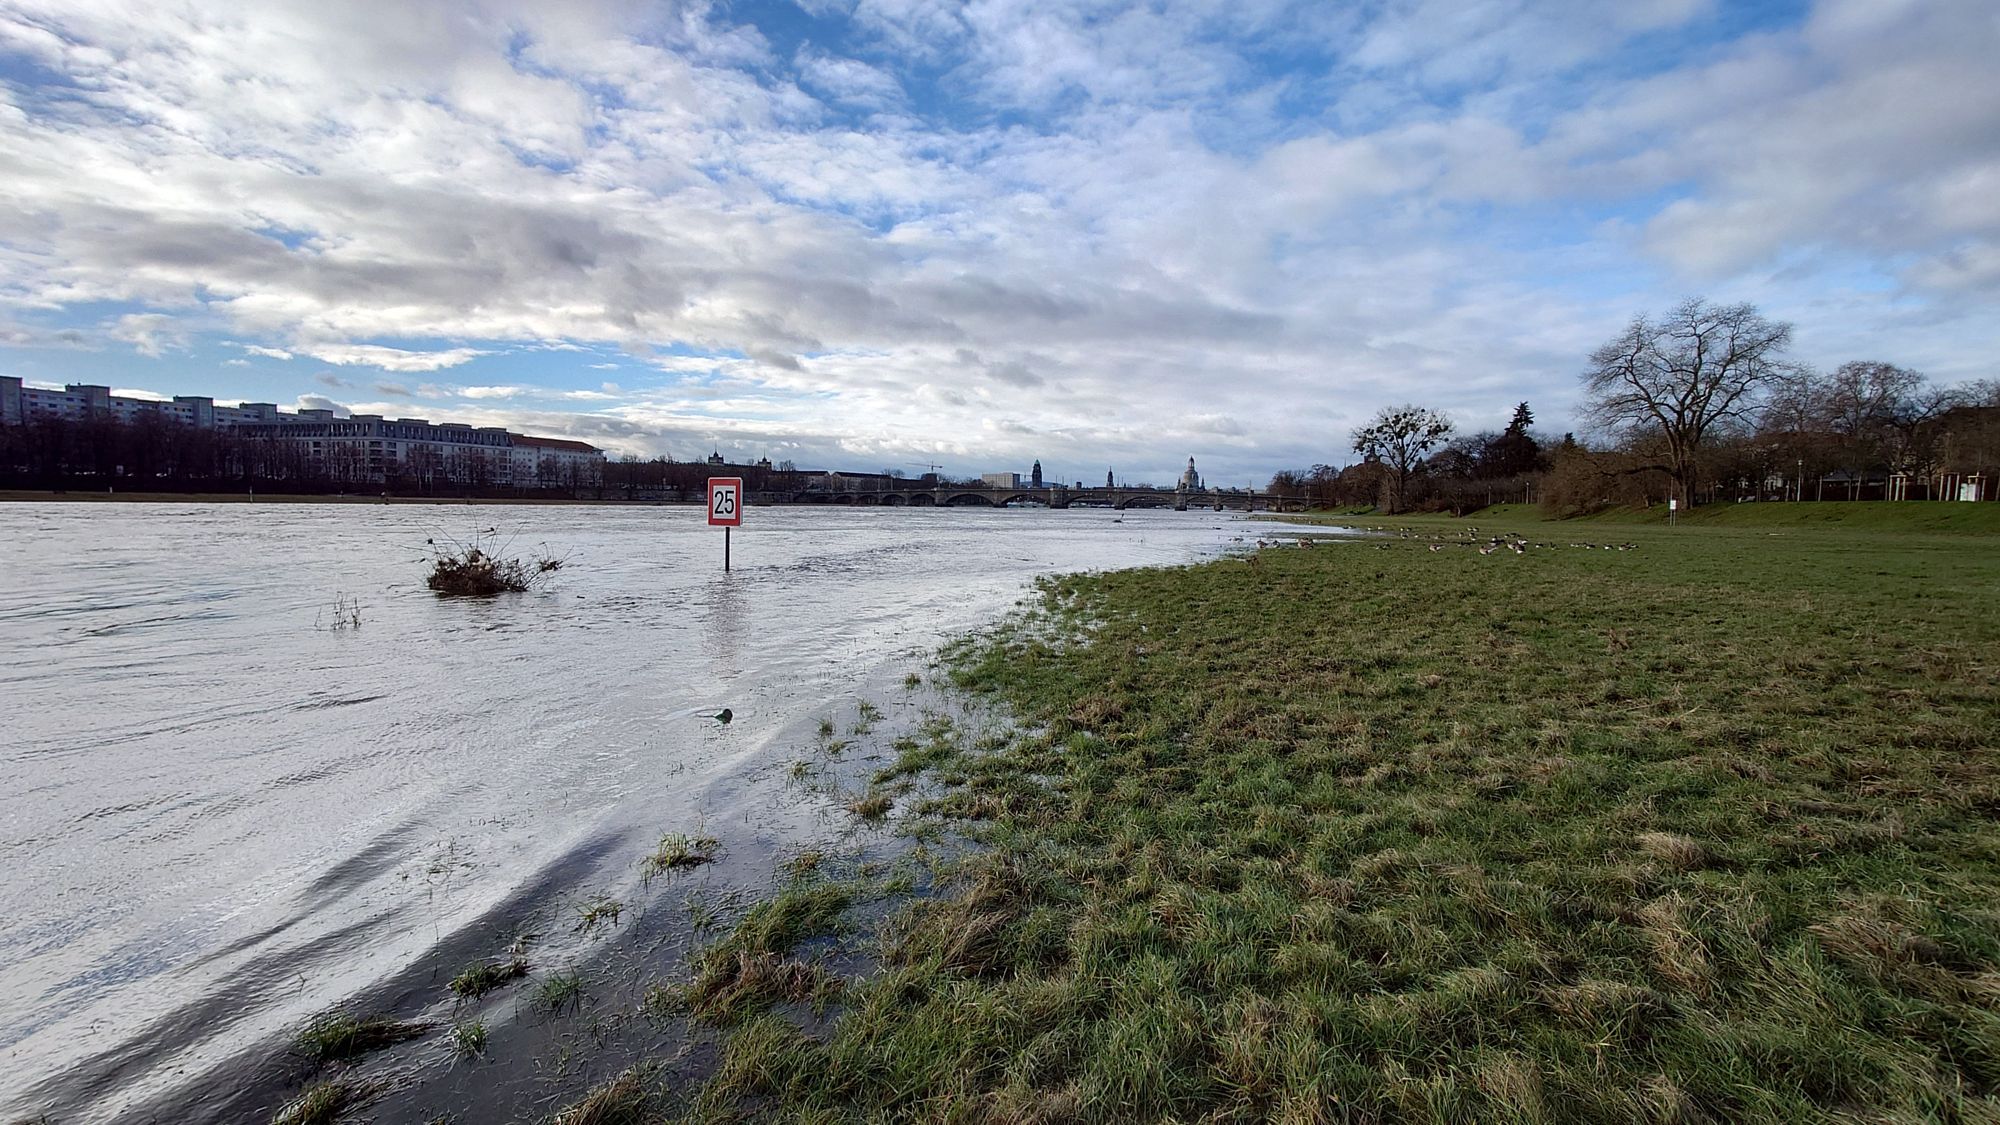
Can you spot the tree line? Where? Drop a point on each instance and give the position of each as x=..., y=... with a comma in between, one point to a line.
x=1696, y=405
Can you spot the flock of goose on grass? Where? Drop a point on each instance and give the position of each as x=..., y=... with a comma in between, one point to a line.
x=1506, y=541
x=1492, y=544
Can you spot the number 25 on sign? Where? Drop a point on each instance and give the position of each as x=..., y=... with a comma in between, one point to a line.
x=725, y=509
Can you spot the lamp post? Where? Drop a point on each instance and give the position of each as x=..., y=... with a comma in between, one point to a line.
x=1800, y=493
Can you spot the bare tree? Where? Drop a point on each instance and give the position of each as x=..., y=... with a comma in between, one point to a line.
x=1398, y=438
x=1680, y=379
x=1863, y=401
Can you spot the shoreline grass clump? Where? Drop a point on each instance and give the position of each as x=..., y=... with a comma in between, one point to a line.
x=560, y=991
x=482, y=567
x=322, y=1103
x=478, y=980
x=596, y=912
x=755, y=965
x=469, y=1039
x=337, y=1035
x=678, y=851
x=872, y=805
x=1381, y=833
x=625, y=1100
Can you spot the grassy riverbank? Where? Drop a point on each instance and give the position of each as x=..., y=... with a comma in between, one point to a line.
x=1864, y=515
x=1700, y=830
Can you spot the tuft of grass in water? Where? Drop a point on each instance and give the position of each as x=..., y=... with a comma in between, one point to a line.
x=336, y=1035
x=754, y=966
x=322, y=1103
x=560, y=992
x=482, y=978
x=871, y=806
x=803, y=864
x=1708, y=829
x=726, y=986
x=598, y=910
x=625, y=1100
x=912, y=681
x=468, y=1040
x=866, y=716
x=826, y=728
x=678, y=850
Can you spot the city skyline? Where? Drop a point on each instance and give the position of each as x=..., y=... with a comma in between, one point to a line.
x=882, y=233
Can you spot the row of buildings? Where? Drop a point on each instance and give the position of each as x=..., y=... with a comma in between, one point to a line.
x=356, y=448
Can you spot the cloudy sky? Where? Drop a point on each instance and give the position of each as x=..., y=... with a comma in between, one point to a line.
x=882, y=233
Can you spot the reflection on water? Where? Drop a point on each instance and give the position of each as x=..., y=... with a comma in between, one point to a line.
x=220, y=817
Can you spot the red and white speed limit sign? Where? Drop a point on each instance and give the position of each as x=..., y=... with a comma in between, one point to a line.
x=725, y=501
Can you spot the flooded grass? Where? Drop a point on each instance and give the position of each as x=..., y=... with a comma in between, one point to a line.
x=559, y=992
x=865, y=718
x=625, y=1100
x=482, y=978
x=468, y=1040
x=333, y=1036
x=1384, y=833
x=599, y=910
x=754, y=966
x=677, y=851
x=871, y=806
x=322, y=1103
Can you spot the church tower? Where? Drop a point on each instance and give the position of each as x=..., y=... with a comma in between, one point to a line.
x=1190, y=480
x=1035, y=476
x=1108, y=482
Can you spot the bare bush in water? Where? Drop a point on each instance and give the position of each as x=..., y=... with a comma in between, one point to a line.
x=483, y=566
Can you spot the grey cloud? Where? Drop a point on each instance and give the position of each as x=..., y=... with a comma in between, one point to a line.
x=773, y=358
x=321, y=402
x=1016, y=374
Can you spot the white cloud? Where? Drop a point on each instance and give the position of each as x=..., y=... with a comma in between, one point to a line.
x=151, y=334
x=390, y=359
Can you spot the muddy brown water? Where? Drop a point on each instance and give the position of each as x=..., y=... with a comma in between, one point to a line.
x=222, y=814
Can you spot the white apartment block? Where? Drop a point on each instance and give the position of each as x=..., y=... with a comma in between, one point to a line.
x=359, y=447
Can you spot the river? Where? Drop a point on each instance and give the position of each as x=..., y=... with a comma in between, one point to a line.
x=223, y=814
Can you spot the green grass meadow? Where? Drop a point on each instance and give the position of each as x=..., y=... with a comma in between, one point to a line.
x=1699, y=830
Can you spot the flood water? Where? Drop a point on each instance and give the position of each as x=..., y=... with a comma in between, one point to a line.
x=218, y=814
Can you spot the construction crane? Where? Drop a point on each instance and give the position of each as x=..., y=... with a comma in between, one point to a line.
x=926, y=467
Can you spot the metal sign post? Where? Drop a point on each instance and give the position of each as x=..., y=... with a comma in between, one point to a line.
x=725, y=509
